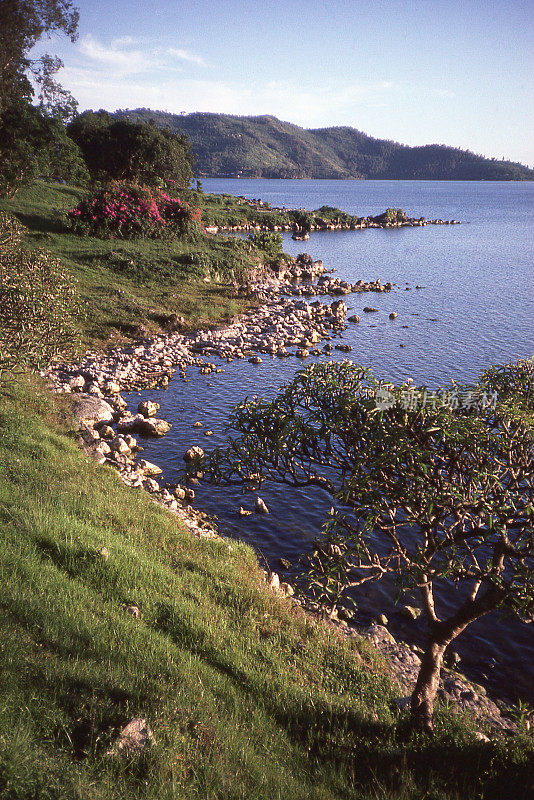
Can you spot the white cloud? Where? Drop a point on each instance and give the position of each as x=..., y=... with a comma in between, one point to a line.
x=126, y=62
x=185, y=55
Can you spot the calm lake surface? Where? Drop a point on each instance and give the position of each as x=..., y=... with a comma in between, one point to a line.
x=475, y=308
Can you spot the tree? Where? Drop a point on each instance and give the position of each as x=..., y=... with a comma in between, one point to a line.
x=33, y=144
x=117, y=149
x=426, y=492
x=38, y=305
x=22, y=24
x=33, y=141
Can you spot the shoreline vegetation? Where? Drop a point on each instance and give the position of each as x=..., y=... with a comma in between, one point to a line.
x=121, y=612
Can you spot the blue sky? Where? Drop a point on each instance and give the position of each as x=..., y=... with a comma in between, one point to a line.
x=416, y=71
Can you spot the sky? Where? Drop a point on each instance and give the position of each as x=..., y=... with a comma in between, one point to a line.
x=459, y=72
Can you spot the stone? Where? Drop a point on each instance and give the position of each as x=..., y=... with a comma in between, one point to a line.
x=369, y=309
x=393, y=315
x=260, y=507
x=106, y=432
x=381, y=619
x=208, y=433
x=410, y=612
x=149, y=469
x=197, y=425
x=103, y=448
x=151, y=485
x=255, y=360
x=119, y=445
x=179, y=492
x=112, y=387
x=287, y=589
x=354, y=318
x=153, y=427
x=90, y=410
x=193, y=454
x=77, y=384
x=244, y=512
x=133, y=740
x=273, y=581
x=147, y=408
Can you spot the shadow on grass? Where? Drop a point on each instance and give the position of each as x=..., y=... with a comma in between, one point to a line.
x=370, y=754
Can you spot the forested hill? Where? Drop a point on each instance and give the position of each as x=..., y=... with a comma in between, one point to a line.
x=265, y=147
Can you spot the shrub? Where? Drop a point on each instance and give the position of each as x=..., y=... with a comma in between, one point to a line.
x=270, y=242
x=38, y=304
x=129, y=211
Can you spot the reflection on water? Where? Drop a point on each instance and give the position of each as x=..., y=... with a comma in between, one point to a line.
x=475, y=309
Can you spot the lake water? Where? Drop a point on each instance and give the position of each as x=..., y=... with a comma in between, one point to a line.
x=475, y=308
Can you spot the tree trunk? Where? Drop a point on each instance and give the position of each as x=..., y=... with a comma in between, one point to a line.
x=426, y=687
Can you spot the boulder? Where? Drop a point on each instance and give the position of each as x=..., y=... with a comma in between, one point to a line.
x=91, y=411
x=193, y=454
x=149, y=469
x=147, y=408
x=260, y=506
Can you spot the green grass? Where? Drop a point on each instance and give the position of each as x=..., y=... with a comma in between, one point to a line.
x=246, y=696
x=131, y=288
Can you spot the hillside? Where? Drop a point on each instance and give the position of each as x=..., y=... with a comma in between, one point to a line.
x=265, y=147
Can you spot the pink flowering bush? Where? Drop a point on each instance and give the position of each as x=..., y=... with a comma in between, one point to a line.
x=129, y=211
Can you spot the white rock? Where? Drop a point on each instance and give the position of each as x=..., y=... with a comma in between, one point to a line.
x=149, y=469
x=260, y=507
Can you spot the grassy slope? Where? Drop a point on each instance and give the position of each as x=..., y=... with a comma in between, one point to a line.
x=246, y=697
x=127, y=284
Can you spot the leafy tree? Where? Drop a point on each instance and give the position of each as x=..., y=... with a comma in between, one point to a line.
x=32, y=145
x=426, y=492
x=33, y=141
x=38, y=305
x=22, y=24
x=117, y=149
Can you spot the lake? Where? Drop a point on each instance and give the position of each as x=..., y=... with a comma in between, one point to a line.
x=475, y=308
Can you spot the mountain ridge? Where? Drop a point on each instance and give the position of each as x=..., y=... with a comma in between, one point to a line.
x=263, y=146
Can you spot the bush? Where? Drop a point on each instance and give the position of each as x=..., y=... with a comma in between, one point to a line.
x=38, y=305
x=129, y=211
x=270, y=242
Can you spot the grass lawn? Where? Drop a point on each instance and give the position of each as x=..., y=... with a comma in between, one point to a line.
x=131, y=288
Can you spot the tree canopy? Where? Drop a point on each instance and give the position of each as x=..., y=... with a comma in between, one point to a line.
x=427, y=489
x=117, y=149
x=33, y=139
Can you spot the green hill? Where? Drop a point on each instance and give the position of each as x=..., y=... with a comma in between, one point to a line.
x=265, y=147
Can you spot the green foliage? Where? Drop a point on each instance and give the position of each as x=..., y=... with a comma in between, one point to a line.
x=269, y=242
x=117, y=149
x=22, y=24
x=38, y=318
x=129, y=211
x=32, y=140
x=33, y=144
x=511, y=381
x=425, y=492
x=334, y=215
x=303, y=220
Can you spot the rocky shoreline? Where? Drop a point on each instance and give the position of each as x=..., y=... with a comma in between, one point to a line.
x=357, y=224
x=108, y=429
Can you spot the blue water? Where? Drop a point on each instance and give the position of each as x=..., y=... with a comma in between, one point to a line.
x=475, y=308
